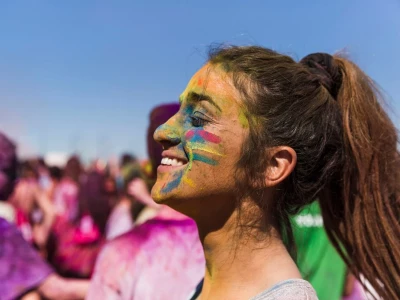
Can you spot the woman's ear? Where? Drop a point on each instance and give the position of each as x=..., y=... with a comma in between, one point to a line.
x=282, y=161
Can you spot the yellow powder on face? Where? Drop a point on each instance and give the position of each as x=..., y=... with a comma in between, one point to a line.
x=189, y=181
x=185, y=178
x=205, y=148
x=157, y=194
x=243, y=120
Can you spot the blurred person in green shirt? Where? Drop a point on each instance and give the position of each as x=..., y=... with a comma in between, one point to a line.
x=317, y=259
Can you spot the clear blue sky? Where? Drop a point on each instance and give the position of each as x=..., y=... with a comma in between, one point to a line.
x=83, y=75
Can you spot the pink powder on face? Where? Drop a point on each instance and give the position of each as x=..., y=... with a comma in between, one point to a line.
x=207, y=136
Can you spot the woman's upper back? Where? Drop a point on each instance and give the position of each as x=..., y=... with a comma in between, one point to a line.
x=293, y=289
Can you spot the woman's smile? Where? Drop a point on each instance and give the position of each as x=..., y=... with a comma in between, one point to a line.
x=171, y=162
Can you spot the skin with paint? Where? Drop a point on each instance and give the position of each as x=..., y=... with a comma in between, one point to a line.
x=205, y=138
x=202, y=145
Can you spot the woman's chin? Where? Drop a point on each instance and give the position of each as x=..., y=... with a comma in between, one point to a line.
x=173, y=199
x=157, y=196
x=160, y=196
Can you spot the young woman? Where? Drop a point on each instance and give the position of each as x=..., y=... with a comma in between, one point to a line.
x=257, y=137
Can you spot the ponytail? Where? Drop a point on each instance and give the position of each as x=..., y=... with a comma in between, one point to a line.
x=363, y=221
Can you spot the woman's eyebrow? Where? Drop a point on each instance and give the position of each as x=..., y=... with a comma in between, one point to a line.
x=196, y=97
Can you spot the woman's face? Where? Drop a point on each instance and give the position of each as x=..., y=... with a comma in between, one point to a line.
x=202, y=142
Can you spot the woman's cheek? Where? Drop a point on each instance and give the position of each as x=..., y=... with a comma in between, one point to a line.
x=204, y=146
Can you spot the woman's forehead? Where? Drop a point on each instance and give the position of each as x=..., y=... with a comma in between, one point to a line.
x=213, y=82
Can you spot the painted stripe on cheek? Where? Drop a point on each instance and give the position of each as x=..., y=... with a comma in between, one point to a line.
x=205, y=135
x=204, y=159
x=173, y=184
x=206, y=148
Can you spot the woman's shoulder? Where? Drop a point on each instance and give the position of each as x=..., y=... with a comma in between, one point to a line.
x=293, y=289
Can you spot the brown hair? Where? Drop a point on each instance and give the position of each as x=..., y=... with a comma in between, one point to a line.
x=329, y=112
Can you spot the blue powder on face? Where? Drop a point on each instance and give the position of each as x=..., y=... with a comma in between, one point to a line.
x=197, y=138
x=174, y=183
x=204, y=159
x=173, y=136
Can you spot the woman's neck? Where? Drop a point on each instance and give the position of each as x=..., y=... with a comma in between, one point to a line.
x=242, y=261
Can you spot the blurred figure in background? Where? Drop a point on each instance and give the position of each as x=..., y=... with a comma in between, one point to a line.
x=43, y=173
x=122, y=219
x=78, y=242
x=317, y=259
x=160, y=259
x=126, y=160
x=66, y=192
x=34, y=211
x=23, y=273
x=96, y=198
x=55, y=174
x=319, y=262
x=8, y=177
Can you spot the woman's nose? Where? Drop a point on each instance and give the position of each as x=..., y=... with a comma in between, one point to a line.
x=167, y=135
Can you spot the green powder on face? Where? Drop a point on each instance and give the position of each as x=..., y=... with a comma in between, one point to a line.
x=190, y=154
x=243, y=120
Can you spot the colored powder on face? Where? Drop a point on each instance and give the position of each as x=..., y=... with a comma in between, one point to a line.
x=190, y=134
x=200, y=135
x=243, y=120
x=169, y=133
x=205, y=148
x=198, y=157
x=189, y=181
x=204, y=159
x=190, y=154
x=197, y=140
x=200, y=82
x=189, y=167
x=174, y=183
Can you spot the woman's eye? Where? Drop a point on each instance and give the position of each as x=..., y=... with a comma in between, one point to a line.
x=198, y=122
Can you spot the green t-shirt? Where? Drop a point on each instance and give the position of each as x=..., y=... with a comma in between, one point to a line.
x=317, y=259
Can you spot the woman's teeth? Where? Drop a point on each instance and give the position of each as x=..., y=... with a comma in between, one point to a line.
x=171, y=162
